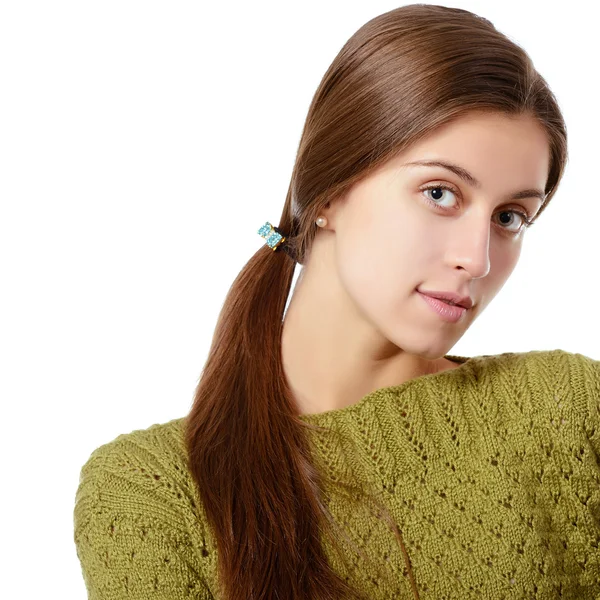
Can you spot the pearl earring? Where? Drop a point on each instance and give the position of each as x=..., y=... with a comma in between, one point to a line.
x=321, y=221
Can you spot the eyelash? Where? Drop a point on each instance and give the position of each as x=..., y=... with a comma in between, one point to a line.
x=527, y=221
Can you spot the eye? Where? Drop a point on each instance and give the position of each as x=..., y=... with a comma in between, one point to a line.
x=437, y=186
x=524, y=217
x=525, y=221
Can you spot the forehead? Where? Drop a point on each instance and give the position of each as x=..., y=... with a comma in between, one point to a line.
x=497, y=149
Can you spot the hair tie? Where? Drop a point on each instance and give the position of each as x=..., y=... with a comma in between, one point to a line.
x=274, y=237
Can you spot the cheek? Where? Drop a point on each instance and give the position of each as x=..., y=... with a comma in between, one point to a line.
x=503, y=260
x=378, y=265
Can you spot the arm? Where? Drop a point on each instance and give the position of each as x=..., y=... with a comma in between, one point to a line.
x=588, y=389
x=131, y=547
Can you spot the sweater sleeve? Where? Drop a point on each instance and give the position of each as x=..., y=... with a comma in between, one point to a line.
x=586, y=383
x=131, y=546
x=591, y=394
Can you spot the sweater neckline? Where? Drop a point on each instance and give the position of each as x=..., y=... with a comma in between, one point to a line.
x=339, y=413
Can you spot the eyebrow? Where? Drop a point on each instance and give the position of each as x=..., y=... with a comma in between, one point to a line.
x=471, y=180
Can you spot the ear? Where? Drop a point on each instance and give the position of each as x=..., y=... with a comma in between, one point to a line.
x=331, y=210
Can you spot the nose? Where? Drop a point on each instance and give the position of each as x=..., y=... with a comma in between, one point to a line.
x=471, y=247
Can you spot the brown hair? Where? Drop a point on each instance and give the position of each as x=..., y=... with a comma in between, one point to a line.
x=400, y=76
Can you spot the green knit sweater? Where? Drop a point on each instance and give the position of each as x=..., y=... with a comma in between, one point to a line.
x=491, y=471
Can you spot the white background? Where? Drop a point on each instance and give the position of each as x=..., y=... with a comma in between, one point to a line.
x=142, y=145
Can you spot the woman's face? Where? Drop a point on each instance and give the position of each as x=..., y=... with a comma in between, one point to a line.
x=389, y=240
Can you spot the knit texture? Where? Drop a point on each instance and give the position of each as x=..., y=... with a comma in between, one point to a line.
x=491, y=471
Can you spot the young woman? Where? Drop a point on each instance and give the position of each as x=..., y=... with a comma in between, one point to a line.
x=337, y=450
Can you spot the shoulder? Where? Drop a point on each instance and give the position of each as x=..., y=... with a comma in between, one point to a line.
x=137, y=520
x=148, y=446
x=578, y=379
x=563, y=372
x=140, y=454
x=552, y=367
x=557, y=369
x=542, y=378
x=557, y=380
x=143, y=471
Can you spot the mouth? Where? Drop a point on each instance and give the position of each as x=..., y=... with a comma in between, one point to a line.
x=449, y=298
x=444, y=309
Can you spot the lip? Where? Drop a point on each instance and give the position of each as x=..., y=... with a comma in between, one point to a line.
x=445, y=311
x=464, y=301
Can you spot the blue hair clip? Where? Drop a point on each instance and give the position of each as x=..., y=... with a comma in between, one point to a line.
x=272, y=235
